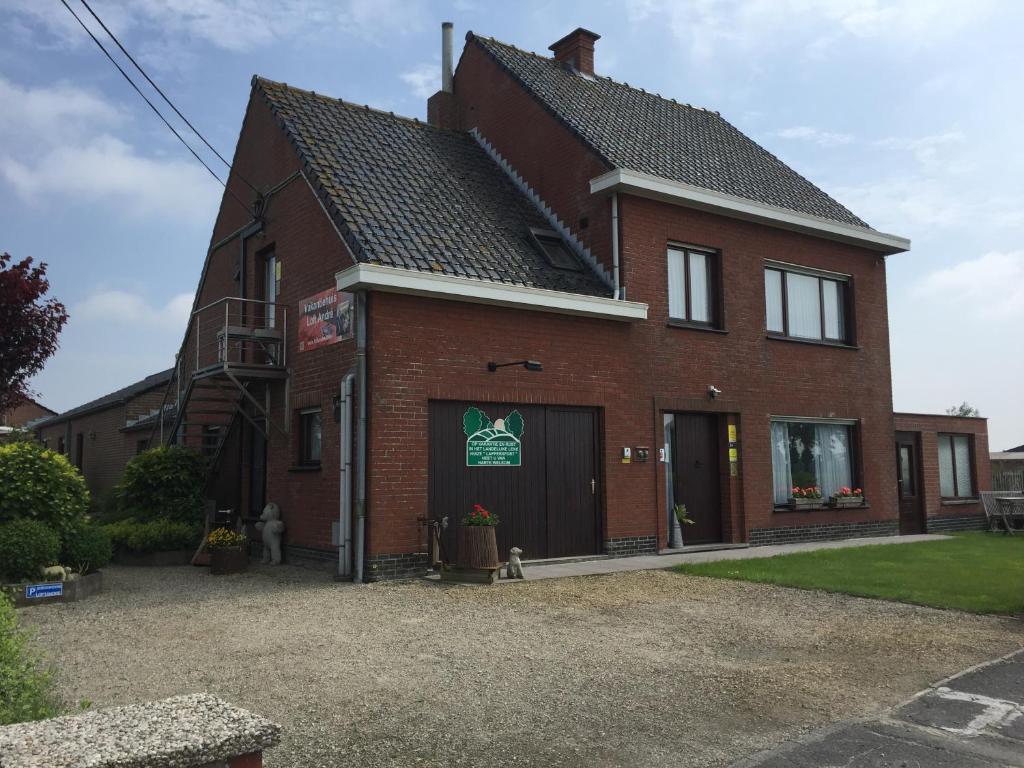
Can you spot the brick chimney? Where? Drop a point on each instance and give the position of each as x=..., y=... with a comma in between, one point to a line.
x=577, y=49
x=441, y=107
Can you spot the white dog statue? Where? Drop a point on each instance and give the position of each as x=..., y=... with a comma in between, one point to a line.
x=514, y=569
x=272, y=528
x=54, y=573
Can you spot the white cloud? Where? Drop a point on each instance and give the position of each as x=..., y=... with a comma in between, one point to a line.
x=925, y=148
x=60, y=146
x=231, y=25
x=423, y=79
x=812, y=26
x=131, y=309
x=819, y=137
x=990, y=286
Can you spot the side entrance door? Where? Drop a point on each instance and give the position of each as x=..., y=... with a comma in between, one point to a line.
x=548, y=504
x=695, y=475
x=908, y=484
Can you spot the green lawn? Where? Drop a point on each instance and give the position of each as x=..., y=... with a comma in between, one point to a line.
x=976, y=572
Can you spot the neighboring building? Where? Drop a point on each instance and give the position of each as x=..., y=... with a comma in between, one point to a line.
x=21, y=415
x=942, y=464
x=1008, y=469
x=657, y=310
x=100, y=436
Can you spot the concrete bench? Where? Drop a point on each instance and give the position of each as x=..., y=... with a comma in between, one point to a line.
x=193, y=731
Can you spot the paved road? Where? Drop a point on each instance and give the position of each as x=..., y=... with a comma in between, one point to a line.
x=972, y=720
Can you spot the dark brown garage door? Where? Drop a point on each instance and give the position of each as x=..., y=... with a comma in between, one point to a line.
x=548, y=505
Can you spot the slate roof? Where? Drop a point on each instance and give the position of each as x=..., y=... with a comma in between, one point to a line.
x=406, y=194
x=630, y=128
x=107, y=401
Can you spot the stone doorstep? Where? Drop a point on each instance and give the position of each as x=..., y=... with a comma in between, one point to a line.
x=686, y=548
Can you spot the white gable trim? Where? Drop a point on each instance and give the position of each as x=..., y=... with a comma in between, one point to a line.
x=678, y=193
x=397, y=280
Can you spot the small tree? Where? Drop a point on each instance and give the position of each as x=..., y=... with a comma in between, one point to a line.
x=41, y=485
x=964, y=409
x=30, y=327
x=164, y=483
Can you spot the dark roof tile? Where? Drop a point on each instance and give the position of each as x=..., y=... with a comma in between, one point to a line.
x=632, y=129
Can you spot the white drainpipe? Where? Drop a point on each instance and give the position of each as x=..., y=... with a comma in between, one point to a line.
x=345, y=480
x=619, y=292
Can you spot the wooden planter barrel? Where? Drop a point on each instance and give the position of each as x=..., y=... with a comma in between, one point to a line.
x=228, y=561
x=478, y=547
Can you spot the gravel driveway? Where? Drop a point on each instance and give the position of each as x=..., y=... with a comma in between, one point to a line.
x=644, y=669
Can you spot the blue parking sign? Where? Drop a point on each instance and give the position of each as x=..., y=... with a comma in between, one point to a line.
x=34, y=591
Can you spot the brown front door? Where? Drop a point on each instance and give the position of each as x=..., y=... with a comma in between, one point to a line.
x=908, y=483
x=695, y=475
x=548, y=505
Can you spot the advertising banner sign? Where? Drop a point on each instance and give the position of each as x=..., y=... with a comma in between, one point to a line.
x=493, y=444
x=325, y=318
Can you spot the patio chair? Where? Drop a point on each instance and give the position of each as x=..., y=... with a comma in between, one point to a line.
x=993, y=513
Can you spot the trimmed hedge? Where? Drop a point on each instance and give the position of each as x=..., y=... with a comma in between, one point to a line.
x=87, y=549
x=25, y=546
x=152, y=535
x=41, y=485
x=27, y=689
x=164, y=483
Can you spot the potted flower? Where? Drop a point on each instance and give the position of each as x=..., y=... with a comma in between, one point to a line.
x=679, y=519
x=228, y=551
x=805, y=498
x=478, y=547
x=848, y=497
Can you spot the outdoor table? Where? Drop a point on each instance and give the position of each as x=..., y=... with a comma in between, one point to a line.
x=1010, y=507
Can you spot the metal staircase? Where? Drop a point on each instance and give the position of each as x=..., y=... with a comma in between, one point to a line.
x=231, y=369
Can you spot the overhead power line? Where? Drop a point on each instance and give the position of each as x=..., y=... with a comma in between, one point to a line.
x=153, y=107
x=163, y=95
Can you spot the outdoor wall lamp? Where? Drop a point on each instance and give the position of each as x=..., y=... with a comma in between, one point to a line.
x=530, y=365
x=713, y=391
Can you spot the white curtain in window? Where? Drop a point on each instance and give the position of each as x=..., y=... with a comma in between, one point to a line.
x=832, y=460
x=782, y=478
x=803, y=305
x=962, y=451
x=676, y=285
x=699, y=309
x=832, y=292
x=773, y=299
x=947, y=487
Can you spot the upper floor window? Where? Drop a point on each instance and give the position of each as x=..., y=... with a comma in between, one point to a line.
x=692, y=276
x=807, y=304
x=955, y=477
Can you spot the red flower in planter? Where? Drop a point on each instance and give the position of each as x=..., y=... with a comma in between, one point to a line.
x=480, y=516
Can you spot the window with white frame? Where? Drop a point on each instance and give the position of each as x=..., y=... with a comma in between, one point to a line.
x=811, y=453
x=692, y=297
x=955, y=480
x=807, y=304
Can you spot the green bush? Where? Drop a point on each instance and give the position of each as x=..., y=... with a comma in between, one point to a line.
x=164, y=483
x=26, y=687
x=25, y=546
x=42, y=485
x=152, y=535
x=87, y=549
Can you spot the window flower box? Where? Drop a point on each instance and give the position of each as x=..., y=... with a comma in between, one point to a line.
x=805, y=498
x=847, y=497
x=801, y=504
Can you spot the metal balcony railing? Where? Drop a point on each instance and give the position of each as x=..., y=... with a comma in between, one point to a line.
x=233, y=332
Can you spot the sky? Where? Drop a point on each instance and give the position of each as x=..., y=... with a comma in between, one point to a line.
x=908, y=112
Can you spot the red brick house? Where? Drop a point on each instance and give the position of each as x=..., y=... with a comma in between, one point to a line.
x=21, y=415
x=570, y=300
x=101, y=436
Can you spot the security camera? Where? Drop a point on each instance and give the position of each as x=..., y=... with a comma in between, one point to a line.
x=713, y=391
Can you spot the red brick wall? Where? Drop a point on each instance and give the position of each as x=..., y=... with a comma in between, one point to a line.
x=635, y=372
x=929, y=426
x=310, y=254
x=22, y=414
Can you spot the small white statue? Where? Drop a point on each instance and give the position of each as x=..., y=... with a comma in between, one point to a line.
x=53, y=573
x=272, y=528
x=514, y=569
